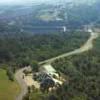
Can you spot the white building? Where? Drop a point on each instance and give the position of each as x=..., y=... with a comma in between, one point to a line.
x=49, y=70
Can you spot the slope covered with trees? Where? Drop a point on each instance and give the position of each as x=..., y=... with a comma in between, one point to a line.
x=82, y=74
x=20, y=49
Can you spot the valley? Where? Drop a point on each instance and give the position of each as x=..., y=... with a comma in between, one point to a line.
x=87, y=46
x=50, y=50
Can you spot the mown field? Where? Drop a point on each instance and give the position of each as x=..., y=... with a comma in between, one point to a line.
x=8, y=89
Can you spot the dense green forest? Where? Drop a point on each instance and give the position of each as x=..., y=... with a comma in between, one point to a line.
x=21, y=49
x=82, y=74
x=27, y=37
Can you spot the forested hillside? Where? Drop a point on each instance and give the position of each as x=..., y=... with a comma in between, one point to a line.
x=34, y=33
x=23, y=48
x=82, y=74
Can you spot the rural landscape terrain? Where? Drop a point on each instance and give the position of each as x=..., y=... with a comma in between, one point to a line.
x=50, y=50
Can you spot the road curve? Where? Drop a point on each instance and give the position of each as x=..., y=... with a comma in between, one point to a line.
x=87, y=46
x=19, y=78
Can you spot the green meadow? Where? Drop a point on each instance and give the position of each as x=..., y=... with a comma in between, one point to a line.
x=8, y=89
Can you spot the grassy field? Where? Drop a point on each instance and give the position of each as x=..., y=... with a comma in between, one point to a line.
x=8, y=89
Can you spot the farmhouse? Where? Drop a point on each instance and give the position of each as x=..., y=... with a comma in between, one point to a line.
x=49, y=70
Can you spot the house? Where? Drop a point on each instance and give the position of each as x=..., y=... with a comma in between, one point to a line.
x=49, y=70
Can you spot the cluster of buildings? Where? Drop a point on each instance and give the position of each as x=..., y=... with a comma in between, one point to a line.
x=46, y=76
x=47, y=72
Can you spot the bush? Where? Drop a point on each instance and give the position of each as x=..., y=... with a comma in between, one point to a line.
x=35, y=66
x=10, y=74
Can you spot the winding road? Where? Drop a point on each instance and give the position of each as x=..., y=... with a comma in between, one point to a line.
x=19, y=78
x=87, y=46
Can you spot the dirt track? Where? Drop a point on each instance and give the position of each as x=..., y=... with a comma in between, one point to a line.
x=87, y=46
x=19, y=77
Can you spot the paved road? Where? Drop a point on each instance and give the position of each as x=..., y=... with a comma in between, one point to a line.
x=19, y=74
x=88, y=45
